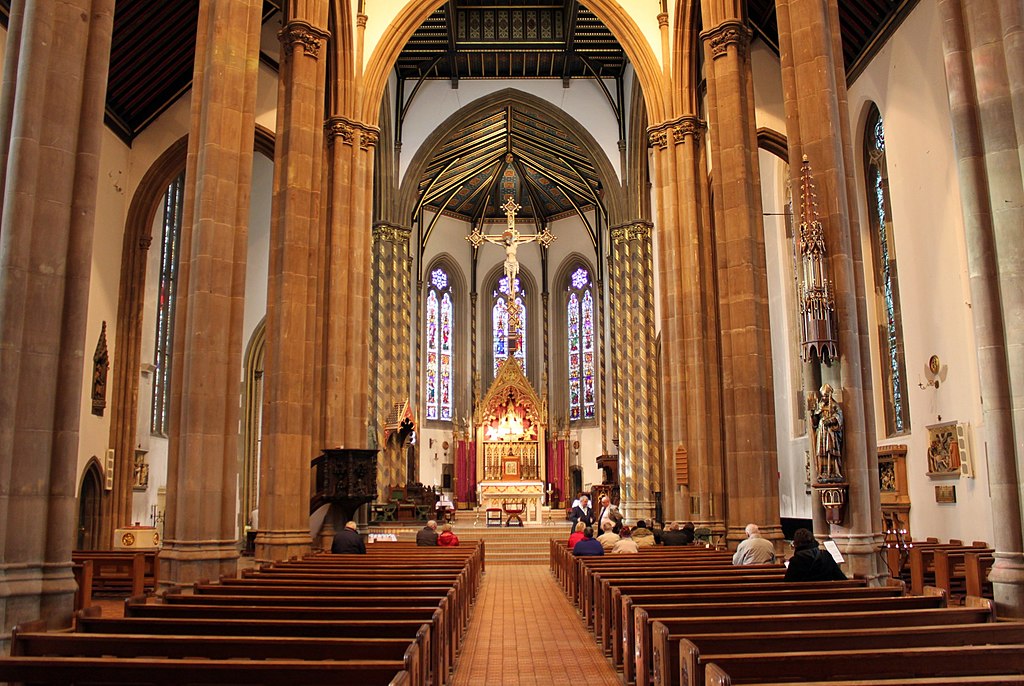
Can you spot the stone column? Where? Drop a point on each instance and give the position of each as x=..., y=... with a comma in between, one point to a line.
x=201, y=536
x=751, y=464
x=818, y=125
x=51, y=125
x=983, y=75
x=632, y=275
x=392, y=322
x=292, y=289
x=346, y=296
x=689, y=326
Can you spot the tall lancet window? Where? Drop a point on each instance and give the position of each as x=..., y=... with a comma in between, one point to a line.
x=440, y=317
x=580, y=311
x=887, y=292
x=499, y=322
x=170, y=242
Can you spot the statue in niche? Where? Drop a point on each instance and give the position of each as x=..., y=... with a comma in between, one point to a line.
x=827, y=420
x=100, y=366
x=140, y=473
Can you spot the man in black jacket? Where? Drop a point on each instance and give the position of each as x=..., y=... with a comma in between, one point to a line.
x=428, y=534
x=348, y=541
x=582, y=513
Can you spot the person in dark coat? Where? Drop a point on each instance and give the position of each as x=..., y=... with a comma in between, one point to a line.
x=810, y=562
x=428, y=534
x=675, y=536
x=582, y=513
x=589, y=545
x=348, y=541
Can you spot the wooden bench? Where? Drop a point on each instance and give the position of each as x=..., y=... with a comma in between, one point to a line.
x=105, y=671
x=890, y=663
x=953, y=568
x=683, y=664
x=676, y=629
x=623, y=597
x=120, y=573
x=40, y=644
x=638, y=641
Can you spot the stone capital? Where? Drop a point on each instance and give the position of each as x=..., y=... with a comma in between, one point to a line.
x=676, y=131
x=302, y=34
x=732, y=32
x=351, y=132
x=632, y=231
x=382, y=231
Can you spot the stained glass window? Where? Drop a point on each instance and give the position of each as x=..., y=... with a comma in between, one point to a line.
x=439, y=317
x=883, y=247
x=580, y=318
x=499, y=323
x=167, y=291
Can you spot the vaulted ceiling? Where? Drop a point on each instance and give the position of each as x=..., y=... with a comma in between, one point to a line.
x=154, y=43
x=510, y=152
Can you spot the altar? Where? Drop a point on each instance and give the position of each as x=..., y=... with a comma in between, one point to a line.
x=502, y=494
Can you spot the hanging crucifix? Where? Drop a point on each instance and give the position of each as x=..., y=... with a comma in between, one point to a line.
x=511, y=239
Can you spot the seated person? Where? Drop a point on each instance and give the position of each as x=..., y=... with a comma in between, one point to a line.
x=577, y=535
x=674, y=535
x=625, y=544
x=428, y=534
x=810, y=562
x=588, y=546
x=755, y=550
x=688, y=533
x=609, y=538
x=348, y=541
x=641, y=535
x=447, y=538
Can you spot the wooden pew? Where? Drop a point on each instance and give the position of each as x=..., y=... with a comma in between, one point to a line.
x=83, y=572
x=676, y=629
x=891, y=663
x=683, y=664
x=90, y=622
x=976, y=569
x=40, y=644
x=951, y=569
x=638, y=641
x=105, y=671
x=443, y=639
x=120, y=572
x=625, y=595
x=922, y=561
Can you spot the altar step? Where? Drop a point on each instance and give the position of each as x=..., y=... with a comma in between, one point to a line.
x=503, y=545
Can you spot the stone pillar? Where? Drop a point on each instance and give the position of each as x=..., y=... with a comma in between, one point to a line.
x=51, y=125
x=392, y=322
x=345, y=304
x=632, y=275
x=983, y=76
x=751, y=464
x=292, y=289
x=689, y=338
x=818, y=125
x=201, y=536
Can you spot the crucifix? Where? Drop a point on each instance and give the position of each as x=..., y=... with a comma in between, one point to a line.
x=511, y=239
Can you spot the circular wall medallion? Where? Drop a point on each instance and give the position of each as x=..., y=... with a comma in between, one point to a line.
x=128, y=539
x=445, y=445
x=933, y=364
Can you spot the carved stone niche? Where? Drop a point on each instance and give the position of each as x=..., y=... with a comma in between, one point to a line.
x=893, y=488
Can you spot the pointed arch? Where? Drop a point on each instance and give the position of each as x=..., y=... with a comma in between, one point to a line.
x=532, y=326
x=610, y=12
x=252, y=420
x=433, y=348
x=562, y=364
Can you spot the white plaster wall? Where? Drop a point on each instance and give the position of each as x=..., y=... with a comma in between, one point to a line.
x=769, y=104
x=258, y=255
x=111, y=202
x=583, y=100
x=907, y=82
x=790, y=434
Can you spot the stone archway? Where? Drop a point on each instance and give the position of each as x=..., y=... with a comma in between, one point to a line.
x=90, y=495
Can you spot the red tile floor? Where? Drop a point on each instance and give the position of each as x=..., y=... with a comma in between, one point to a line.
x=524, y=632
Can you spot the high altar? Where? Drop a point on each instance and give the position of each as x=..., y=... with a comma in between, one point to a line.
x=509, y=430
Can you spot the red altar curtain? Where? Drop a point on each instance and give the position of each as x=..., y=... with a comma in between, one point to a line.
x=557, y=468
x=465, y=470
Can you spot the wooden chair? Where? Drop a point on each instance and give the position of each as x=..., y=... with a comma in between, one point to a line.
x=514, y=510
x=493, y=516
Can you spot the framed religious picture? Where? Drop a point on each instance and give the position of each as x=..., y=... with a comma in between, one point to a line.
x=510, y=469
x=943, y=451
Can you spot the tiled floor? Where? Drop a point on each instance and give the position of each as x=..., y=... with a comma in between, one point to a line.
x=524, y=632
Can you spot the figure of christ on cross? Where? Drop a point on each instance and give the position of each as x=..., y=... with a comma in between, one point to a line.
x=511, y=239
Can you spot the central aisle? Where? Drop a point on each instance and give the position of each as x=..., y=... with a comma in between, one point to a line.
x=524, y=632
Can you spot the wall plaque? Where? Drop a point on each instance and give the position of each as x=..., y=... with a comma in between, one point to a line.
x=945, y=494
